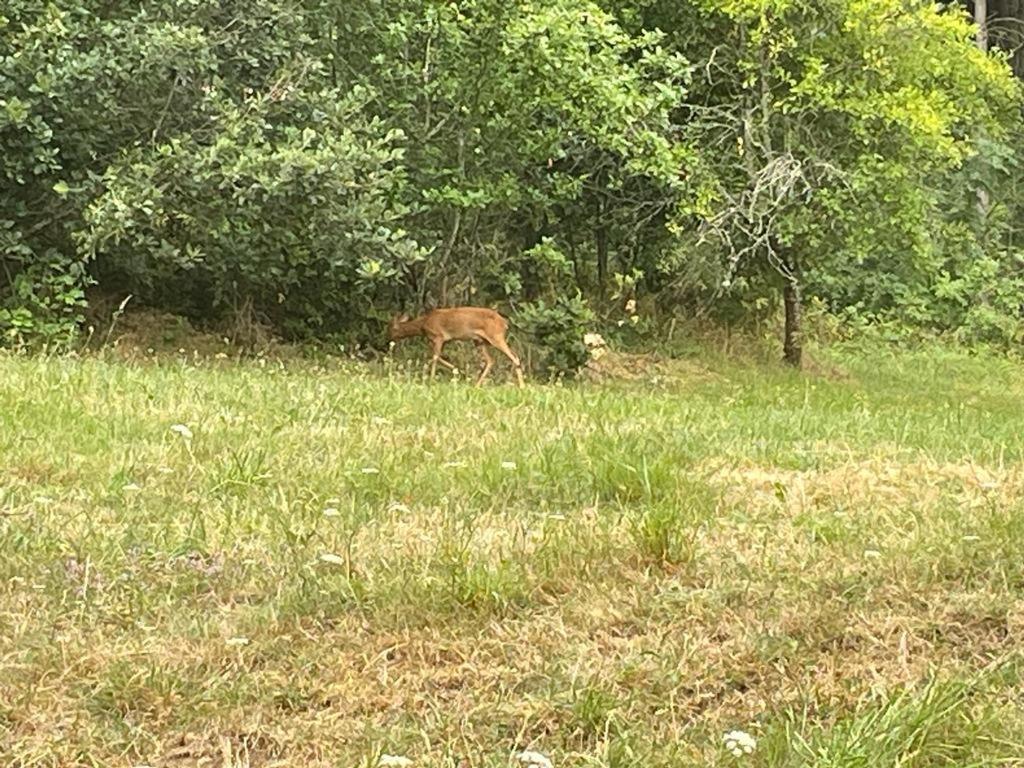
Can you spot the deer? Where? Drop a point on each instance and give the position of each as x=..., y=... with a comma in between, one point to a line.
x=484, y=327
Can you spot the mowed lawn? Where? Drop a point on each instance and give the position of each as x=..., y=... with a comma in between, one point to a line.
x=241, y=564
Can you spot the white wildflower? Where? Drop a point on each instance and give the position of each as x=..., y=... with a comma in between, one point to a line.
x=181, y=429
x=509, y=465
x=131, y=488
x=872, y=554
x=165, y=470
x=370, y=471
x=394, y=761
x=739, y=743
x=593, y=340
x=237, y=641
x=533, y=759
x=631, y=306
x=331, y=512
x=971, y=537
x=328, y=557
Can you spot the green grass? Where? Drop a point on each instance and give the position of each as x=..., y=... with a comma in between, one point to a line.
x=344, y=561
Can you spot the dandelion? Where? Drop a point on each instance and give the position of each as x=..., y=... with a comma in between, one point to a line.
x=533, y=759
x=181, y=429
x=394, y=761
x=508, y=465
x=739, y=743
x=328, y=557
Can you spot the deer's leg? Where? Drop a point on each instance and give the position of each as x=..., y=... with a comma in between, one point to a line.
x=502, y=346
x=437, y=345
x=488, y=361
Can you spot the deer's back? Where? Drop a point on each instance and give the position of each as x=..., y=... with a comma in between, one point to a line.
x=464, y=322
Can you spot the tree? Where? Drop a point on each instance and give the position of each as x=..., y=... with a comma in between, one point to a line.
x=826, y=128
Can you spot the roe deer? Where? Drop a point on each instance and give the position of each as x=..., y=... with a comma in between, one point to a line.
x=484, y=327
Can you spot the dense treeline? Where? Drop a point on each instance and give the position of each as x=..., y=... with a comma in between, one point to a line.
x=315, y=165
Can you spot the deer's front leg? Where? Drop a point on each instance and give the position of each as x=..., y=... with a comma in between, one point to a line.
x=437, y=345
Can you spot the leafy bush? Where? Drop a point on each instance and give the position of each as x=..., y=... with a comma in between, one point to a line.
x=559, y=328
x=291, y=208
x=44, y=295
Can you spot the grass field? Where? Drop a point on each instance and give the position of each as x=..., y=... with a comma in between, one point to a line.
x=242, y=564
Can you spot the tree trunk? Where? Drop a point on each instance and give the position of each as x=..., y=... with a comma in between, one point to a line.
x=981, y=20
x=601, y=241
x=981, y=38
x=792, y=340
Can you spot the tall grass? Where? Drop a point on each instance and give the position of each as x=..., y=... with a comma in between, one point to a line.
x=206, y=562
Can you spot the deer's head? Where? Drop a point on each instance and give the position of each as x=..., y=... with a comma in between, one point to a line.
x=395, y=327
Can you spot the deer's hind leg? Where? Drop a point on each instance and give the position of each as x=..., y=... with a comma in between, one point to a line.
x=502, y=346
x=481, y=347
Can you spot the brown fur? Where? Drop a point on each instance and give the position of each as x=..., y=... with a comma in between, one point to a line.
x=484, y=327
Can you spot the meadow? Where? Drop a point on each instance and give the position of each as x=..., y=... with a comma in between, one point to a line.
x=221, y=563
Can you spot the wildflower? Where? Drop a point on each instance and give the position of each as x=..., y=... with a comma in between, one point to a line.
x=509, y=465
x=394, y=761
x=631, y=306
x=872, y=554
x=972, y=537
x=333, y=559
x=237, y=641
x=533, y=759
x=593, y=340
x=739, y=743
x=331, y=512
x=370, y=471
x=131, y=487
x=181, y=429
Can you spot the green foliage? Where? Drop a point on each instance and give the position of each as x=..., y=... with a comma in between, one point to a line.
x=292, y=202
x=313, y=165
x=559, y=327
